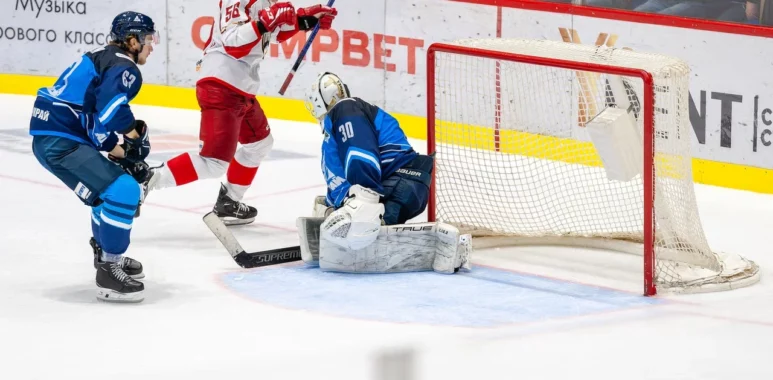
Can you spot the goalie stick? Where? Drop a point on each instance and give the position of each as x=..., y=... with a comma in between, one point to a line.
x=298, y=60
x=249, y=259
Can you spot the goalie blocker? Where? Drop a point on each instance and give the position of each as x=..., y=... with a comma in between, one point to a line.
x=398, y=248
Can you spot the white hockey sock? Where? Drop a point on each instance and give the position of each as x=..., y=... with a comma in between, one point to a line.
x=110, y=258
x=186, y=168
x=243, y=167
x=236, y=192
x=162, y=178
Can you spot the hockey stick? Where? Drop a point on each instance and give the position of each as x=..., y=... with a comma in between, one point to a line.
x=249, y=259
x=298, y=60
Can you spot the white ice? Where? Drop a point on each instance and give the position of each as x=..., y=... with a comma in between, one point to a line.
x=190, y=326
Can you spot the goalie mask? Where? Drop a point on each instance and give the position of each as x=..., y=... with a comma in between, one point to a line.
x=327, y=90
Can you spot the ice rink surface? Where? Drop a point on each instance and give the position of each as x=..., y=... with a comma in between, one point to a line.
x=525, y=313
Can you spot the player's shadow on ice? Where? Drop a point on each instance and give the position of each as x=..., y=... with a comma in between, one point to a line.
x=86, y=294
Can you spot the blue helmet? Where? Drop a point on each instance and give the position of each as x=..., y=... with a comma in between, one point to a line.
x=135, y=24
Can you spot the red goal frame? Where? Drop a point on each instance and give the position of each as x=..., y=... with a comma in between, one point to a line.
x=648, y=130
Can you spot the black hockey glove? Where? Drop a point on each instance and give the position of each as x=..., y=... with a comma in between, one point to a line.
x=139, y=170
x=320, y=14
x=137, y=149
x=307, y=22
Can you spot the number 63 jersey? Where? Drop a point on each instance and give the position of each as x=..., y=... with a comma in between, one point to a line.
x=363, y=145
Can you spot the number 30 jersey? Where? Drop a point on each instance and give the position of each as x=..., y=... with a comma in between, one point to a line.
x=235, y=48
x=363, y=145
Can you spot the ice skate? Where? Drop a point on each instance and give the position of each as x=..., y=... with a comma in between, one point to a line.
x=233, y=212
x=114, y=285
x=132, y=267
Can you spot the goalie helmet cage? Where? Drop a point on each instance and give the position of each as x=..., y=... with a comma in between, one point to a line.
x=507, y=121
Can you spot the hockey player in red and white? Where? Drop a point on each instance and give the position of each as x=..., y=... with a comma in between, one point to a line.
x=230, y=113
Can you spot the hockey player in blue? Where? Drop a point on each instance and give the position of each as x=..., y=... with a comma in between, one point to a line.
x=365, y=153
x=365, y=147
x=376, y=182
x=80, y=116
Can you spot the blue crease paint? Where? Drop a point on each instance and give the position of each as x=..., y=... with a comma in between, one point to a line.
x=485, y=297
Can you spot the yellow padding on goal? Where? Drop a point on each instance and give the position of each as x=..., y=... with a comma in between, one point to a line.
x=516, y=142
x=559, y=149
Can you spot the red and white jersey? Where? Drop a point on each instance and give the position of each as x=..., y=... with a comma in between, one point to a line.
x=235, y=48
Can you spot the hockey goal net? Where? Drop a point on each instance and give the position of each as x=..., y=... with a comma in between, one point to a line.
x=509, y=124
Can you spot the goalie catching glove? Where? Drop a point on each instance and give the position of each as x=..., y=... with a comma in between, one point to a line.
x=356, y=224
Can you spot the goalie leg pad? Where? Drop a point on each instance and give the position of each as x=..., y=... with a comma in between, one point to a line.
x=400, y=248
x=308, y=234
x=394, y=251
x=453, y=256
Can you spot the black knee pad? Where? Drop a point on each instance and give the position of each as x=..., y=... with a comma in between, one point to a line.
x=406, y=192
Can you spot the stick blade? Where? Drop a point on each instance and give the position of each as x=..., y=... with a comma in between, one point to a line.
x=270, y=257
x=602, y=37
x=612, y=40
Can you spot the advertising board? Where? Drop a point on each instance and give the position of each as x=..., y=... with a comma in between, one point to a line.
x=44, y=37
x=379, y=48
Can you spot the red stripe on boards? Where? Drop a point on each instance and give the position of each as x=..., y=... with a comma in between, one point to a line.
x=630, y=16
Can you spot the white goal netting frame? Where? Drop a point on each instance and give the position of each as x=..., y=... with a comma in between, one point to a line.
x=514, y=162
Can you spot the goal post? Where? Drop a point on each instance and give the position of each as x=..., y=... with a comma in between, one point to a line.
x=546, y=142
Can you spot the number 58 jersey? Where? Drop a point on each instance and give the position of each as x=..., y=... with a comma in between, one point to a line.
x=235, y=47
x=363, y=145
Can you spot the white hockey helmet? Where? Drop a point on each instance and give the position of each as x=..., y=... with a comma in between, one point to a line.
x=327, y=90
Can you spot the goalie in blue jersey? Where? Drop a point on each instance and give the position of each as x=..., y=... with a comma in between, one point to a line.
x=376, y=183
x=83, y=114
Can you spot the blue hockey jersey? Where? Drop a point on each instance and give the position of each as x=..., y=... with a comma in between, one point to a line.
x=89, y=101
x=363, y=146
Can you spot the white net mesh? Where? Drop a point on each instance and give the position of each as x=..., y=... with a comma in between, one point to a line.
x=514, y=157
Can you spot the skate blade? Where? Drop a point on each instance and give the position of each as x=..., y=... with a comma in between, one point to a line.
x=236, y=222
x=107, y=295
